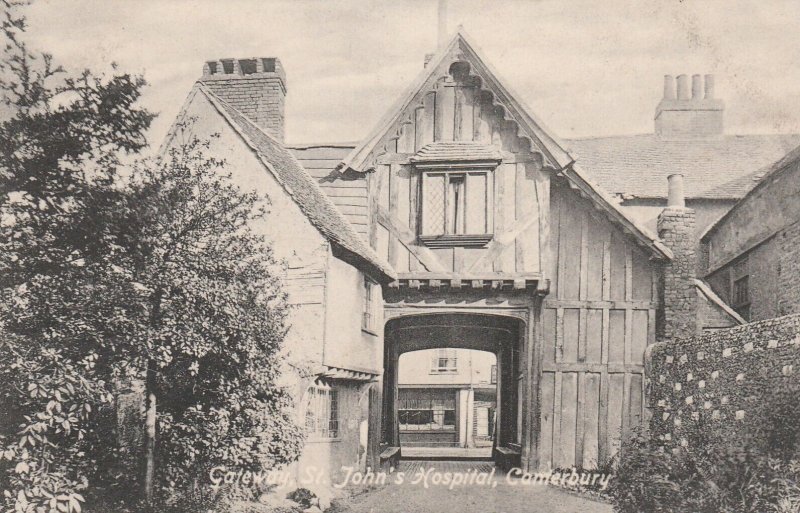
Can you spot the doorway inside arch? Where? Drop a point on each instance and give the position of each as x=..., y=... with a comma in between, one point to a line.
x=452, y=384
x=447, y=398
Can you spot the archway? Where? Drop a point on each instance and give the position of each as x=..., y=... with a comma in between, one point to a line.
x=499, y=335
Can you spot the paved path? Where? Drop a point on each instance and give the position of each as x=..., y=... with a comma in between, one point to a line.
x=504, y=497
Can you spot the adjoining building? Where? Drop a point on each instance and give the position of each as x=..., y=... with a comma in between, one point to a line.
x=333, y=278
x=751, y=256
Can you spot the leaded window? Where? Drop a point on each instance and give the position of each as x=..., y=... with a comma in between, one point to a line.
x=322, y=412
x=455, y=203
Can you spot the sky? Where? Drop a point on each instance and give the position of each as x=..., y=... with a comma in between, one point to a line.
x=585, y=67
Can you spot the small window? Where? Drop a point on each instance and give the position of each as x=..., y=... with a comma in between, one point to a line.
x=322, y=412
x=370, y=313
x=741, y=293
x=444, y=362
x=741, y=296
x=455, y=204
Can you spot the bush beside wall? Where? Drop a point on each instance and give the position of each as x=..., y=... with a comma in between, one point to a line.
x=716, y=383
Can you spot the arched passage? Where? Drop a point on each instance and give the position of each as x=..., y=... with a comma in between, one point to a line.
x=501, y=335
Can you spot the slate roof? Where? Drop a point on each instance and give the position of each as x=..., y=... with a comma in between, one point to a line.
x=638, y=165
x=459, y=150
x=314, y=203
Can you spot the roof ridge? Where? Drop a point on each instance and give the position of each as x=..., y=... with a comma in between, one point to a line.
x=548, y=143
x=349, y=241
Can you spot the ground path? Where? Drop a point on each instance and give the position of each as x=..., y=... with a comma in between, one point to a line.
x=505, y=497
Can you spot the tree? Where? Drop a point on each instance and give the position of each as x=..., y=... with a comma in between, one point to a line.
x=159, y=276
x=62, y=138
x=213, y=318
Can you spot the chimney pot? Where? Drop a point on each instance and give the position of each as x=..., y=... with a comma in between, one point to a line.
x=694, y=114
x=678, y=295
x=683, y=87
x=675, y=195
x=709, y=87
x=669, y=87
x=697, y=87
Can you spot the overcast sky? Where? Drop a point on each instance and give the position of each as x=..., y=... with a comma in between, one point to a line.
x=585, y=67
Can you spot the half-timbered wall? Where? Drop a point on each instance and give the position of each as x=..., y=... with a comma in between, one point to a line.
x=457, y=109
x=597, y=320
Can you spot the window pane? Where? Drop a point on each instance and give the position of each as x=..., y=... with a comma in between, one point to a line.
x=433, y=204
x=367, y=320
x=455, y=204
x=476, y=203
x=322, y=412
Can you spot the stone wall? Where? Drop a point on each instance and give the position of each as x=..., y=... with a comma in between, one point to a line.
x=717, y=381
x=773, y=267
x=676, y=227
x=789, y=270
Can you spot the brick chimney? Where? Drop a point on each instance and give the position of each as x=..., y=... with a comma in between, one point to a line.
x=682, y=115
x=676, y=227
x=256, y=87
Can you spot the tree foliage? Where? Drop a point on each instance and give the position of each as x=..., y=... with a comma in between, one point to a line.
x=215, y=317
x=61, y=140
x=106, y=274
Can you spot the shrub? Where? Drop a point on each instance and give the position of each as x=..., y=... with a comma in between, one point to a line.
x=750, y=470
x=303, y=496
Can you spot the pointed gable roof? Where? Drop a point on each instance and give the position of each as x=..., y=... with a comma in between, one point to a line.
x=301, y=187
x=552, y=150
x=461, y=43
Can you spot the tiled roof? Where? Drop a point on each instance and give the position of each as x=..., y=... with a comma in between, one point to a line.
x=638, y=165
x=315, y=204
x=456, y=150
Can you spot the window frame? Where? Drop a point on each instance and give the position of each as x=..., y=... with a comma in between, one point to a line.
x=450, y=355
x=451, y=235
x=368, y=307
x=740, y=274
x=322, y=401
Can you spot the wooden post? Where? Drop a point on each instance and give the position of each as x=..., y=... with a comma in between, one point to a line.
x=150, y=432
x=150, y=410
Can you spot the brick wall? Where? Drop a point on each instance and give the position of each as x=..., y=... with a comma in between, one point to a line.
x=710, y=316
x=260, y=99
x=718, y=380
x=259, y=94
x=676, y=227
